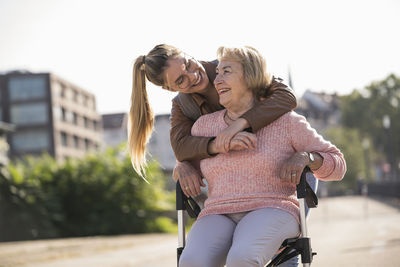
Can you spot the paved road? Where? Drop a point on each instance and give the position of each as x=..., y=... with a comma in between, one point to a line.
x=353, y=231
x=346, y=231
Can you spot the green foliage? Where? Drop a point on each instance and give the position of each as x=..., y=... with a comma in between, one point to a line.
x=364, y=110
x=357, y=158
x=98, y=195
x=163, y=224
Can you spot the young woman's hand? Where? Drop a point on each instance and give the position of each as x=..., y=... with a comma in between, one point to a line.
x=243, y=140
x=189, y=178
x=224, y=138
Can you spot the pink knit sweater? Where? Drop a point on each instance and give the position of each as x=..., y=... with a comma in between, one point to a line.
x=247, y=180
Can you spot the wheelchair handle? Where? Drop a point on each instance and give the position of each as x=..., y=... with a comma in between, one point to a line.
x=302, y=186
x=180, y=205
x=186, y=203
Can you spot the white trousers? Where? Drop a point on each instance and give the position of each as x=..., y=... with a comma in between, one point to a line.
x=216, y=240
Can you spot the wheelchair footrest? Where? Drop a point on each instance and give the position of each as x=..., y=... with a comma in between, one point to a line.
x=303, y=244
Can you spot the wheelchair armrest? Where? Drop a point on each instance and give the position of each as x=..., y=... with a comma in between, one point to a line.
x=186, y=203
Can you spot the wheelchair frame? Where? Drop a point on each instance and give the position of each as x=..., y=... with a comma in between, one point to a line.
x=290, y=247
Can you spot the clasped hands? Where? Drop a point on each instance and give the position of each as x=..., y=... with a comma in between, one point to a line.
x=233, y=138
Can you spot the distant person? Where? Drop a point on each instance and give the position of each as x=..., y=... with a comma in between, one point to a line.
x=252, y=205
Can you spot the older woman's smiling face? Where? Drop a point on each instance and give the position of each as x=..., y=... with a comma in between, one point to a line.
x=230, y=83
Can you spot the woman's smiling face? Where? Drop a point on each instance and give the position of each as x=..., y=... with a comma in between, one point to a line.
x=186, y=75
x=230, y=83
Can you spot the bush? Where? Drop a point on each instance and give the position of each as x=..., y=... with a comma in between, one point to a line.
x=98, y=195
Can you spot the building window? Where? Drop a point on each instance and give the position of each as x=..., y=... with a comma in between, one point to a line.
x=30, y=140
x=64, y=139
x=63, y=114
x=28, y=114
x=76, y=141
x=75, y=118
x=87, y=144
x=86, y=122
x=23, y=88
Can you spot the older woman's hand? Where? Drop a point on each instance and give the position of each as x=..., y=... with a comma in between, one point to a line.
x=189, y=178
x=291, y=170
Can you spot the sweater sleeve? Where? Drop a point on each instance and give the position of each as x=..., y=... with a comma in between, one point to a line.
x=305, y=138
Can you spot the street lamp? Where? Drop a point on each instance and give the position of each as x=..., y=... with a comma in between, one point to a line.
x=386, y=122
x=365, y=145
x=386, y=126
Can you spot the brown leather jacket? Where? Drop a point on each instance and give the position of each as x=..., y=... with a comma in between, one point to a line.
x=279, y=100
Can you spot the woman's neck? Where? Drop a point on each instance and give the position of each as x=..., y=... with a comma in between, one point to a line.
x=245, y=104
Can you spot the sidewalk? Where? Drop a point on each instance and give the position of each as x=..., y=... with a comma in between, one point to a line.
x=356, y=231
x=345, y=231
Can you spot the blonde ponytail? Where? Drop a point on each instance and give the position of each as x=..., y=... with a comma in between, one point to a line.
x=141, y=118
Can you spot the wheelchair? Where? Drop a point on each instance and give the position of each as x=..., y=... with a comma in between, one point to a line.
x=290, y=247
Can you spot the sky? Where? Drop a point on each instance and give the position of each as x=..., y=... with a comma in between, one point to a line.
x=331, y=46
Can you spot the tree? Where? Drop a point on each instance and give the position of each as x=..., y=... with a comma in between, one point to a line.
x=357, y=157
x=365, y=109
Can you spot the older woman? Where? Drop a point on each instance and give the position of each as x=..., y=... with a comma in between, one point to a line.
x=252, y=205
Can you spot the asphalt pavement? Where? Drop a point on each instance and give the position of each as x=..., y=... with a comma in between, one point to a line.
x=345, y=231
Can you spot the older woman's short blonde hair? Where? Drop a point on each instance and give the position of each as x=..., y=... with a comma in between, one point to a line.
x=254, y=67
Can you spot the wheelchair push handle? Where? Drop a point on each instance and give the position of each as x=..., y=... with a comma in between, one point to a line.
x=301, y=186
x=304, y=190
x=180, y=205
x=186, y=203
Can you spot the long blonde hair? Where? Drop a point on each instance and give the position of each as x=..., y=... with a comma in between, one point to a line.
x=141, y=116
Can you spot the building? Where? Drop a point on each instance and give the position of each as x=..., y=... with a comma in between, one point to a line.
x=159, y=146
x=115, y=129
x=51, y=115
x=5, y=129
x=320, y=109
